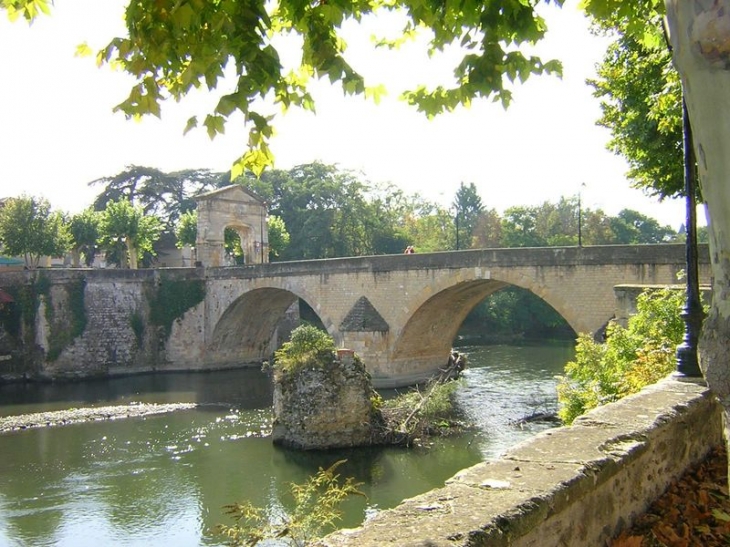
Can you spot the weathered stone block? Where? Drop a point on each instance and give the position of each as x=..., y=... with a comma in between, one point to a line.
x=322, y=407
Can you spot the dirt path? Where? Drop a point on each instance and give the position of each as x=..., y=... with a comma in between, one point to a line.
x=78, y=415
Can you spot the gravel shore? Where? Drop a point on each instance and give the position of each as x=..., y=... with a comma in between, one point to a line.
x=78, y=415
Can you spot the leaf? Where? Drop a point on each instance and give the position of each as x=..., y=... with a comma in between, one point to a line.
x=191, y=124
x=183, y=16
x=83, y=50
x=214, y=125
x=627, y=539
x=375, y=93
x=720, y=515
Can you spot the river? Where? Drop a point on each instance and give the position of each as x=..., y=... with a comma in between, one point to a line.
x=163, y=480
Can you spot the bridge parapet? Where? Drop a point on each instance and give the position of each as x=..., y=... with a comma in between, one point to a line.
x=657, y=255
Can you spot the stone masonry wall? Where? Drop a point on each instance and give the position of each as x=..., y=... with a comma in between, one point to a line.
x=573, y=486
x=118, y=336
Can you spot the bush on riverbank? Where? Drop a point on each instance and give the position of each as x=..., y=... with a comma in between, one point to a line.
x=630, y=359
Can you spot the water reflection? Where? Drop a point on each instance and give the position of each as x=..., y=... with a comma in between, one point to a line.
x=247, y=388
x=162, y=480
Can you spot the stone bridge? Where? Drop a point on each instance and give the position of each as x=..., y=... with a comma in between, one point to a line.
x=401, y=313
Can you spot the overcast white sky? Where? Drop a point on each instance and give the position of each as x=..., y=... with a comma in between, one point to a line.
x=58, y=132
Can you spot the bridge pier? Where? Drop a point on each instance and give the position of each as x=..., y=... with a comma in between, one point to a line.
x=388, y=372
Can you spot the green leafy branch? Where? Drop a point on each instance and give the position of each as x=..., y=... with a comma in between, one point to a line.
x=316, y=512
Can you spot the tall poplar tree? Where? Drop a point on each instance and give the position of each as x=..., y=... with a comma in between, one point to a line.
x=467, y=208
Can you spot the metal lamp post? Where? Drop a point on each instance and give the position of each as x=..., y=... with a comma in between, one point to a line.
x=687, y=362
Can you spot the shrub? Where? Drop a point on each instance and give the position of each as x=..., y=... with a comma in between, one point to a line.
x=631, y=358
x=308, y=346
x=316, y=511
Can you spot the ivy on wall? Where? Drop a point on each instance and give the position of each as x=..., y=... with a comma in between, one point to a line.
x=22, y=310
x=63, y=331
x=172, y=299
x=136, y=321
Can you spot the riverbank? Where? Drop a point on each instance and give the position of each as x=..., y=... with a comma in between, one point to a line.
x=89, y=414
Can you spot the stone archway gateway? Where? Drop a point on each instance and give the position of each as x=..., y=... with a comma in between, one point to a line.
x=236, y=208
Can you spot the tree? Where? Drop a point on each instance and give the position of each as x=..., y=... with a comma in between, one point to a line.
x=641, y=100
x=488, y=230
x=165, y=195
x=126, y=230
x=467, y=208
x=633, y=227
x=519, y=228
x=278, y=237
x=325, y=210
x=557, y=223
x=517, y=313
x=175, y=46
x=29, y=228
x=698, y=34
x=84, y=231
x=187, y=229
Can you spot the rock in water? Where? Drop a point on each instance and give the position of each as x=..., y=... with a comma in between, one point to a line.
x=325, y=405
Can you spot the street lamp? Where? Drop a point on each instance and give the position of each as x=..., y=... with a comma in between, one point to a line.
x=692, y=313
x=580, y=216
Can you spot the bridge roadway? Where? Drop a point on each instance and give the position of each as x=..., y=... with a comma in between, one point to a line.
x=402, y=312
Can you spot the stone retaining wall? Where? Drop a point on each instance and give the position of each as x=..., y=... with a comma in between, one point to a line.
x=572, y=486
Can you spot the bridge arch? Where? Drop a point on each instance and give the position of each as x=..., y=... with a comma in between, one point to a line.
x=246, y=331
x=437, y=311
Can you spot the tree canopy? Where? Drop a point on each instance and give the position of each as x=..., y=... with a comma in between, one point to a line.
x=235, y=49
x=321, y=211
x=126, y=231
x=29, y=228
x=641, y=100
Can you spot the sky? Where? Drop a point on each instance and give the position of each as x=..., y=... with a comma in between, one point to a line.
x=58, y=131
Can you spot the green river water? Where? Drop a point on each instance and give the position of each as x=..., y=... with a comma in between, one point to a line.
x=163, y=480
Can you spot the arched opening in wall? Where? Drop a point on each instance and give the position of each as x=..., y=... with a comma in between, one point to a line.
x=255, y=325
x=235, y=239
x=513, y=315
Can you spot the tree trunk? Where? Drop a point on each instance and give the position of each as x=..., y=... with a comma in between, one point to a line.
x=131, y=253
x=700, y=37
x=76, y=258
